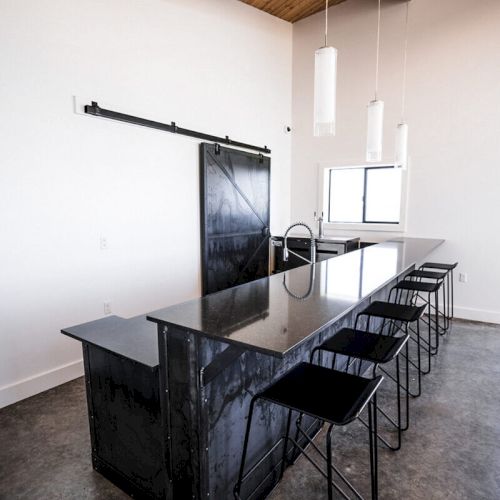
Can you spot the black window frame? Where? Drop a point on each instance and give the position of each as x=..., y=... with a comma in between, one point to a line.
x=365, y=176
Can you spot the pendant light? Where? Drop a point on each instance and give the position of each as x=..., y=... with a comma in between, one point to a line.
x=375, y=112
x=401, y=140
x=325, y=86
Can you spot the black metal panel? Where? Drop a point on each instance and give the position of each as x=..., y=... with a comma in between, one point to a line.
x=234, y=217
x=124, y=411
x=183, y=400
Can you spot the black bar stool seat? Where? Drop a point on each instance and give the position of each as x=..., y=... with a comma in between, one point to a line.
x=396, y=312
x=431, y=275
x=379, y=349
x=449, y=306
x=329, y=395
x=363, y=345
x=439, y=265
x=418, y=286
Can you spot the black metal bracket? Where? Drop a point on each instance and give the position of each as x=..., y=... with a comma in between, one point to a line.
x=94, y=109
x=220, y=363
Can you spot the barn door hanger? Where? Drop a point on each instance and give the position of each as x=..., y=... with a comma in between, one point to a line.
x=95, y=110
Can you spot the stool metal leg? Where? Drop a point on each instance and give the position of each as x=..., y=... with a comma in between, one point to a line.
x=407, y=379
x=452, y=298
x=298, y=423
x=237, y=488
x=329, y=461
x=418, y=366
x=396, y=424
x=436, y=306
x=285, y=443
x=372, y=433
x=324, y=455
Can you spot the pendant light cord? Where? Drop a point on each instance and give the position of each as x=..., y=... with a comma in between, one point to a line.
x=326, y=23
x=378, y=50
x=405, y=61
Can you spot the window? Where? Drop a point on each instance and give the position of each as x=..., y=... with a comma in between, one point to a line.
x=363, y=195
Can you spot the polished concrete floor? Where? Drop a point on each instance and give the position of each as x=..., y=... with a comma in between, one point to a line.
x=452, y=450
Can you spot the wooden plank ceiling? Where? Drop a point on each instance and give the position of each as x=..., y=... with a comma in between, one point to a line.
x=291, y=10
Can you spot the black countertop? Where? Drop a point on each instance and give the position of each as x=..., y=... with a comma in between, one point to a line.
x=134, y=338
x=267, y=316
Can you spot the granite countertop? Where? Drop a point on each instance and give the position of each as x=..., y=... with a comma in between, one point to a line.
x=134, y=338
x=265, y=315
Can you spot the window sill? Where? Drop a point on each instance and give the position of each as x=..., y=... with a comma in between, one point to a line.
x=348, y=226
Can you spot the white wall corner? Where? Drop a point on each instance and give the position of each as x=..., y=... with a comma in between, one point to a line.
x=40, y=382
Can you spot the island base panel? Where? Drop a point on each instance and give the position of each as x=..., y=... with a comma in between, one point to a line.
x=125, y=426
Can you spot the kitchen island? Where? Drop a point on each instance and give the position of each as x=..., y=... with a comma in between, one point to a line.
x=167, y=419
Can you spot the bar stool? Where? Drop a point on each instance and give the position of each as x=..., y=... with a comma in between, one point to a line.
x=436, y=277
x=399, y=316
x=372, y=348
x=414, y=291
x=448, y=268
x=330, y=396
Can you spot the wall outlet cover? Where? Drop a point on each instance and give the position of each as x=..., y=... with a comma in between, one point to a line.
x=103, y=243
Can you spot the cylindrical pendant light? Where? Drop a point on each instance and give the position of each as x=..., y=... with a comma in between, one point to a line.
x=325, y=86
x=375, y=131
x=375, y=122
x=401, y=139
x=401, y=143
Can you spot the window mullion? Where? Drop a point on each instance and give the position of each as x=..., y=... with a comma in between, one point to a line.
x=329, y=195
x=364, y=194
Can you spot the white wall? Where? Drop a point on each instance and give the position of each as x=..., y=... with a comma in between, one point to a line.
x=453, y=110
x=67, y=180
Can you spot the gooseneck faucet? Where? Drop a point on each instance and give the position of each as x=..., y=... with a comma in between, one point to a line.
x=286, y=250
x=320, y=220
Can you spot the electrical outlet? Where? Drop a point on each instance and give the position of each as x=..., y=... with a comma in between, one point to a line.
x=103, y=243
x=462, y=277
x=107, y=308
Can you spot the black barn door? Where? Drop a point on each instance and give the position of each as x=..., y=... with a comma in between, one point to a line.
x=234, y=217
